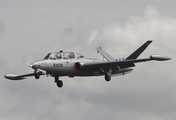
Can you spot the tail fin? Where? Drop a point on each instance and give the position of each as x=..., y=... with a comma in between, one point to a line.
x=136, y=53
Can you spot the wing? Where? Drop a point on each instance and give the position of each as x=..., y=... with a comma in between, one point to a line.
x=126, y=63
x=134, y=55
x=21, y=77
x=123, y=63
x=113, y=63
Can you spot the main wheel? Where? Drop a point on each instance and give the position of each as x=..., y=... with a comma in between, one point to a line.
x=107, y=77
x=59, y=83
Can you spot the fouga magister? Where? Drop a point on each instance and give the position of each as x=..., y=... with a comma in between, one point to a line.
x=72, y=64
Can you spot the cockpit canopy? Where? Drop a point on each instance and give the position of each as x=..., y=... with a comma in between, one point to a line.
x=63, y=55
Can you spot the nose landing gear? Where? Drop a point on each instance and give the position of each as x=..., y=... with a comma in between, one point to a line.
x=37, y=76
x=58, y=82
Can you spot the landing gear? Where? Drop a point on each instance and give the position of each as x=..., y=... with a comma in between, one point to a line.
x=108, y=77
x=58, y=82
x=37, y=76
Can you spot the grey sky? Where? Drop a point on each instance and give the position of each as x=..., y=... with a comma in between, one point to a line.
x=31, y=29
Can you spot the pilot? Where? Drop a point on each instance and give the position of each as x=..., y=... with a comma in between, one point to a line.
x=59, y=56
x=71, y=55
x=52, y=57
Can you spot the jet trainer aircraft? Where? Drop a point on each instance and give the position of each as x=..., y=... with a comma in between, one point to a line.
x=71, y=64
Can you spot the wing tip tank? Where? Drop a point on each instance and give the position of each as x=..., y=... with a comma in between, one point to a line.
x=13, y=77
x=159, y=57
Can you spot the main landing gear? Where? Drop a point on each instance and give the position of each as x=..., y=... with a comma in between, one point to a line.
x=58, y=82
x=108, y=77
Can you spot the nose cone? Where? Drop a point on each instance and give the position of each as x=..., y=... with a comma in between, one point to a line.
x=35, y=65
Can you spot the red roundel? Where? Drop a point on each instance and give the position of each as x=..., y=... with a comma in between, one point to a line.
x=77, y=65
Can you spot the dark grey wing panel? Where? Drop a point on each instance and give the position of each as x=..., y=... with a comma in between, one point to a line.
x=136, y=53
x=113, y=64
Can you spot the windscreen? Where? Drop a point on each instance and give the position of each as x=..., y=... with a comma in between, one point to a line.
x=47, y=56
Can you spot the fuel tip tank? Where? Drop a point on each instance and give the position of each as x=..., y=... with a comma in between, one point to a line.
x=159, y=57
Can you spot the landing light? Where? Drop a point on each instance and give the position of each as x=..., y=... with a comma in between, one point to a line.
x=30, y=65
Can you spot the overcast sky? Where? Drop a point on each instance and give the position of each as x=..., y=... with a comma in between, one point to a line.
x=31, y=29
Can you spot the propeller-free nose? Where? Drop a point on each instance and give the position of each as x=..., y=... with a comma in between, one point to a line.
x=35, y=65
x=31, y=65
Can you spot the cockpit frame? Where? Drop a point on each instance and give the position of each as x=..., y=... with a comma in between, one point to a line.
x=63, y=55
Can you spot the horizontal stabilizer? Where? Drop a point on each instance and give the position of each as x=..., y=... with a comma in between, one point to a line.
x=136, y=53
x=104, y=54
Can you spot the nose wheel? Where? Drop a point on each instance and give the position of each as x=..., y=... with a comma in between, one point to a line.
x=58, y=82
x=37, y=76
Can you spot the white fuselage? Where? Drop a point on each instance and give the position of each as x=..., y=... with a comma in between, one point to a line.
x=64, y=67
x=67, y=67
